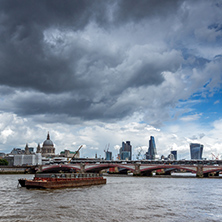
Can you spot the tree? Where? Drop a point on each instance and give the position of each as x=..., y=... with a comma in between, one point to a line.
x=3, y=162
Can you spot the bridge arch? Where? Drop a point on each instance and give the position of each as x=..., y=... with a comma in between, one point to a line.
x=99, y=167
x=60, y=167
x=149, y=169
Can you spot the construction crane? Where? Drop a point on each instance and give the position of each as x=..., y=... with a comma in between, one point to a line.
x=106, y=150
x=216, y=157
x=75, y=153
x=140, y=154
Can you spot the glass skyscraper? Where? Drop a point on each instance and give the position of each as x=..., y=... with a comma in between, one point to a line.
x=174, y=152
x=151, y=154
x=196, y=151
x=125, y=151
x=108, y=155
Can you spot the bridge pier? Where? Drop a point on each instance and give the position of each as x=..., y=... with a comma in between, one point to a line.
x=137, y=171
x=199, y=171
x=82, y=168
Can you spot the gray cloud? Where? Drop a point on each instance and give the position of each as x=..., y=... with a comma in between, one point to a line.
x=102, y=60
x=135, y=11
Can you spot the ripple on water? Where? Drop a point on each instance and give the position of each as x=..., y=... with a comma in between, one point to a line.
x=121, y=199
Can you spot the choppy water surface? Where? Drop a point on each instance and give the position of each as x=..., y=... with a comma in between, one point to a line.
x=121, y=199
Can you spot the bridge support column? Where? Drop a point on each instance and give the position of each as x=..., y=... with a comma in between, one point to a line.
x=40, y=168
x=137, y=171
x=199, y=171
x=82, y=168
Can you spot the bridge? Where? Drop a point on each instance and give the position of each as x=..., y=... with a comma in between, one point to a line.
x=202, y=168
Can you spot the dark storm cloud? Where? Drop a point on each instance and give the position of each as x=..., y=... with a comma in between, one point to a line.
x=73, y=58
x=25, y=61
x=65, y=106
x=27, y=13
x=138, y=10
x=146, y=75
x=53, y=105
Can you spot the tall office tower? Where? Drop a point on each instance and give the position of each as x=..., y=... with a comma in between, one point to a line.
x=151, y=154
x=125, y=151
x=108, y=155
x=174, y=152
x=196, y=151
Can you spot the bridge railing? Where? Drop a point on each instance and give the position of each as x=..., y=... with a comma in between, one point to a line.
x=171, y=162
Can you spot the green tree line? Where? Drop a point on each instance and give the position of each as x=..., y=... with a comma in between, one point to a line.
x=3, y=162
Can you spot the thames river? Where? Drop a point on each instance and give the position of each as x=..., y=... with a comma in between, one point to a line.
x=121, y=199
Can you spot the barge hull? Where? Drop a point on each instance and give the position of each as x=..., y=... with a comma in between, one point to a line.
x=22, y=182
x=63, y=183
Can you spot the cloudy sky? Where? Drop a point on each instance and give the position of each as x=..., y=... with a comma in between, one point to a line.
x=101, y=72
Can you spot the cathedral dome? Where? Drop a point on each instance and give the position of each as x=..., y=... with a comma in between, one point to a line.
x=48, y=142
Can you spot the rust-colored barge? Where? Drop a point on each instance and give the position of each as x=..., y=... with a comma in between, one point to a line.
x=62, y=180
x=59, y=177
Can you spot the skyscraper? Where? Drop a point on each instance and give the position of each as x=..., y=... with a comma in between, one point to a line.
x=125, y=151
x=174, y=152
x=151, y=154
x=108, y=155
x=196, y=151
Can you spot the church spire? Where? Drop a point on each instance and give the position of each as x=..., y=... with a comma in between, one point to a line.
x=27, y=149
x=38, y=149
x=48, y=137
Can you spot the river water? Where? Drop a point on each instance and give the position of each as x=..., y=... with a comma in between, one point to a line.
x=121, y=199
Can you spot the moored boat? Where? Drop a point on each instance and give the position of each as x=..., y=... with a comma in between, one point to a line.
x=61, y=176
x=62, y=180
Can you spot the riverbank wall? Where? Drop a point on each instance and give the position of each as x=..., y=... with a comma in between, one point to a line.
x=12, y=170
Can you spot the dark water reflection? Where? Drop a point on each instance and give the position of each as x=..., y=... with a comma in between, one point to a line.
x=121, y=199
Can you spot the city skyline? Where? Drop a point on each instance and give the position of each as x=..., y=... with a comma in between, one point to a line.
x=94, y=73
x=125, y=152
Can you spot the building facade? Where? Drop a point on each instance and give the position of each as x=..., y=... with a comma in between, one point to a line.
x=16, y=151
x=125, y=152
x=152, y=153
x=174, y=152
x=108, y=155
x=70, y=154
x=196, y=151
x=28, y=159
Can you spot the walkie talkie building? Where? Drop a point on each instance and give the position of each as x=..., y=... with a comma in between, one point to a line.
x=196, y=151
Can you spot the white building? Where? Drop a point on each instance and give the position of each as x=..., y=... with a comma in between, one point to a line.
x=31, y=159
